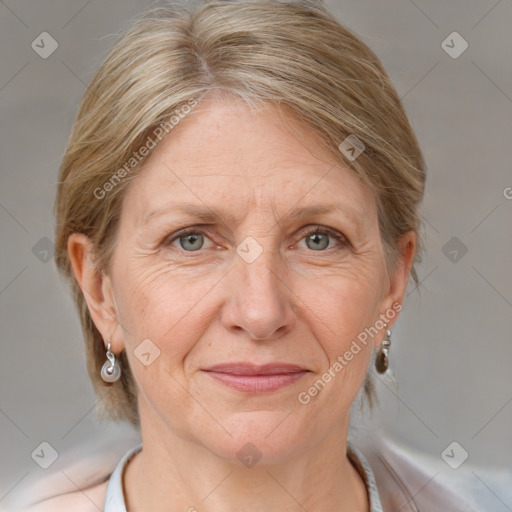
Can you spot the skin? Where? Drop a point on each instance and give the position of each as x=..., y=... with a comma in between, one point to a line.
x=296, y=303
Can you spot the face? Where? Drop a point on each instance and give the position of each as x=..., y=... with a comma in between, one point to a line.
x=251, y=262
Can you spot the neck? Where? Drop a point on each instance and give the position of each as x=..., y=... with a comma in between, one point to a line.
x=172, y=473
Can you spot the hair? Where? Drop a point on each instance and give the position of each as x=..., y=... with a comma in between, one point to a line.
x=293, y=55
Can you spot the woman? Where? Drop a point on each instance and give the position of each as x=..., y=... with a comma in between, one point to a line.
x=237, y=213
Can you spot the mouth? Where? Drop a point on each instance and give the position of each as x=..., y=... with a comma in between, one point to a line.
x=251, y=378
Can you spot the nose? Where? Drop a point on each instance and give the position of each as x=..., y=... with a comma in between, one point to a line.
x=260, y=302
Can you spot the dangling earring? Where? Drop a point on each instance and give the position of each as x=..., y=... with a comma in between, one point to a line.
x=111, y=371
x=381, y=360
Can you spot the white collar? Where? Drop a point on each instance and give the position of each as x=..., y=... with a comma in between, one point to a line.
x=115, y=497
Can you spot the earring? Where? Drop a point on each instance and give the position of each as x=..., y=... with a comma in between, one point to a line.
x=381, y=360
x=111, y=371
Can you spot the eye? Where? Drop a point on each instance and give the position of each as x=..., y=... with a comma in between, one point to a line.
x=189, y=240
x=320, y=239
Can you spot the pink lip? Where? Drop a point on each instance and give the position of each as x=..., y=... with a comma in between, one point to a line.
x=250, y=378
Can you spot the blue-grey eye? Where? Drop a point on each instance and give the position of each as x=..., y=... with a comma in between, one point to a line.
x=317, y=241
x=192, y=241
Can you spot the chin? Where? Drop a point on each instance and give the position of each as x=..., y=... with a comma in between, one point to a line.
x=258, y=437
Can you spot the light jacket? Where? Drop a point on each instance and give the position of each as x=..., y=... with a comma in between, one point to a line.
x=78, y=481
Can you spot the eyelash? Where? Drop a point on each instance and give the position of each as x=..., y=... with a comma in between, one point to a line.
x=339, y=237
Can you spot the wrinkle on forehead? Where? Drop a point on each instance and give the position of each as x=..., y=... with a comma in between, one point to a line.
x=230, y=158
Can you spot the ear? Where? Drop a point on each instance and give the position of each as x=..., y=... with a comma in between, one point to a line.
x=394, y=295
x=96, y=288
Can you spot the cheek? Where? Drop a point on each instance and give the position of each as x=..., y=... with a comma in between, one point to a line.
x=173, y=313
x=343, y=310
x=341, y=314
x=156, y=304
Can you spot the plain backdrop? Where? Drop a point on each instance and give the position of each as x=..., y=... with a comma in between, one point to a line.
x=451, y=352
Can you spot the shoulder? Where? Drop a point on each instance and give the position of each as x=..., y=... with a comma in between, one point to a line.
x=410, y=481
x=90, y=499
x=77, y=481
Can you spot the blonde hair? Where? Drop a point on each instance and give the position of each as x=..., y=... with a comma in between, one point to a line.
x=293, y=55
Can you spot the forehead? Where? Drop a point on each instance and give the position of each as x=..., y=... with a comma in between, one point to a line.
x=225, y=154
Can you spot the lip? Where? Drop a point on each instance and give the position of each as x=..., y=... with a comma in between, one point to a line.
x=250, y=378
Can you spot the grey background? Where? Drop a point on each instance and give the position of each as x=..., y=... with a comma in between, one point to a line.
x=451, y=352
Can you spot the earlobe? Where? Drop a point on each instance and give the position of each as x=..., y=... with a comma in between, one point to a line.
x=400, y=278
x=96, y=287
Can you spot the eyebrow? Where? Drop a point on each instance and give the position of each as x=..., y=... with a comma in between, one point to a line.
x=309, y=211
x=208, y=214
